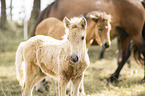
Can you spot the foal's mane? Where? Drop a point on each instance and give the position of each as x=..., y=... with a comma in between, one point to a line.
x=102, y=16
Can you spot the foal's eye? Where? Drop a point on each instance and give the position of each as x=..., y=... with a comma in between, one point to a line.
x=82, y=37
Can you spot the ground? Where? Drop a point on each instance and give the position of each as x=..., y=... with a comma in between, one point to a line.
x=95, y=76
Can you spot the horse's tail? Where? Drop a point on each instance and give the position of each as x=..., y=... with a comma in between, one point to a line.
x=44, y=14
x=136, y=51
x=138, y=56
x=19, y=65
x=143, y=3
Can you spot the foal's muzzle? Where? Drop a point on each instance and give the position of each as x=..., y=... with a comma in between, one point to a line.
x=74, y=58
x=106, y=45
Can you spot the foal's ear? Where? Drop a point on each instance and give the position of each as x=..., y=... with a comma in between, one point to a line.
x=94, y=18
x=66, y=22
x=83, y=23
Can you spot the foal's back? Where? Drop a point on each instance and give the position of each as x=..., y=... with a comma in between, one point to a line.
x=32, y=45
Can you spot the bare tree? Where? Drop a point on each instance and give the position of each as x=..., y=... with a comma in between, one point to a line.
x=34, y=14
x=3, y=14
x=11, y=7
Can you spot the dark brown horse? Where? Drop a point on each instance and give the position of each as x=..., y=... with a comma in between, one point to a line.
x=128, y=21
x=115, y=35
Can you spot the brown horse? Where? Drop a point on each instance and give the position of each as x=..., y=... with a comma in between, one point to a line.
x=128, y=15
x=114, y=35
x=98, y=28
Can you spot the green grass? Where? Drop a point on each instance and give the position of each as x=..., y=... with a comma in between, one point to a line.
x=95, y=76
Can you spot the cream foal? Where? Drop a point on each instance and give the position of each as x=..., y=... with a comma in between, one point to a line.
x=66, y=60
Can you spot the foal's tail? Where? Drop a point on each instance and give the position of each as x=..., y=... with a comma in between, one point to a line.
x=18, y=63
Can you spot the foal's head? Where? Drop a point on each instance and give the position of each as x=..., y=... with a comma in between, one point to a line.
x=102, y=28
x=76, y=34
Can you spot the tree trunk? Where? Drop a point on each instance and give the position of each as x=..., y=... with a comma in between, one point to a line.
x=34, y=14
x=3, y=14
x=11, y=8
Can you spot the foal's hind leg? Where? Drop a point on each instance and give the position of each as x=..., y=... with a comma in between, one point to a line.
x=33, y=75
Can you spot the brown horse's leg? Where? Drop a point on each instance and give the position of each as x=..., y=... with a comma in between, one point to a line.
x=101, y=56
x=119, y=58
x=125, y=51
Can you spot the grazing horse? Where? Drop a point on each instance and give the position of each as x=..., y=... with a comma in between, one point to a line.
x=128, y=15
x=65, y=60
x=98, y=29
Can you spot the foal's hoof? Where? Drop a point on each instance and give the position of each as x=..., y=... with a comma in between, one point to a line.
x=142, y=81
x=112, y=79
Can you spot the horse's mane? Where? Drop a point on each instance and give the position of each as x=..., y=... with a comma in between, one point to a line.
x=41, y=16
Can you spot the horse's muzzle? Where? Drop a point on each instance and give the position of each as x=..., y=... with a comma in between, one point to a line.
x=74, y=58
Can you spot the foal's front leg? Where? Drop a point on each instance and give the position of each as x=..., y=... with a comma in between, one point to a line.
x=62, y=84
x=76, y=85
x=82, y=87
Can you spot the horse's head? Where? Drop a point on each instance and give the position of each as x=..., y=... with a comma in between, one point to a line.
x=76, y=34
x=102, y=28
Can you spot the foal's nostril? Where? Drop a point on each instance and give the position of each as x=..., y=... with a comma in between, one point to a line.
x=106, y=45
x=74, y=58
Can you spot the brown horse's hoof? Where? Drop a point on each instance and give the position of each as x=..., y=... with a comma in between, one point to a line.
x=142, y=81
x=112, y=79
